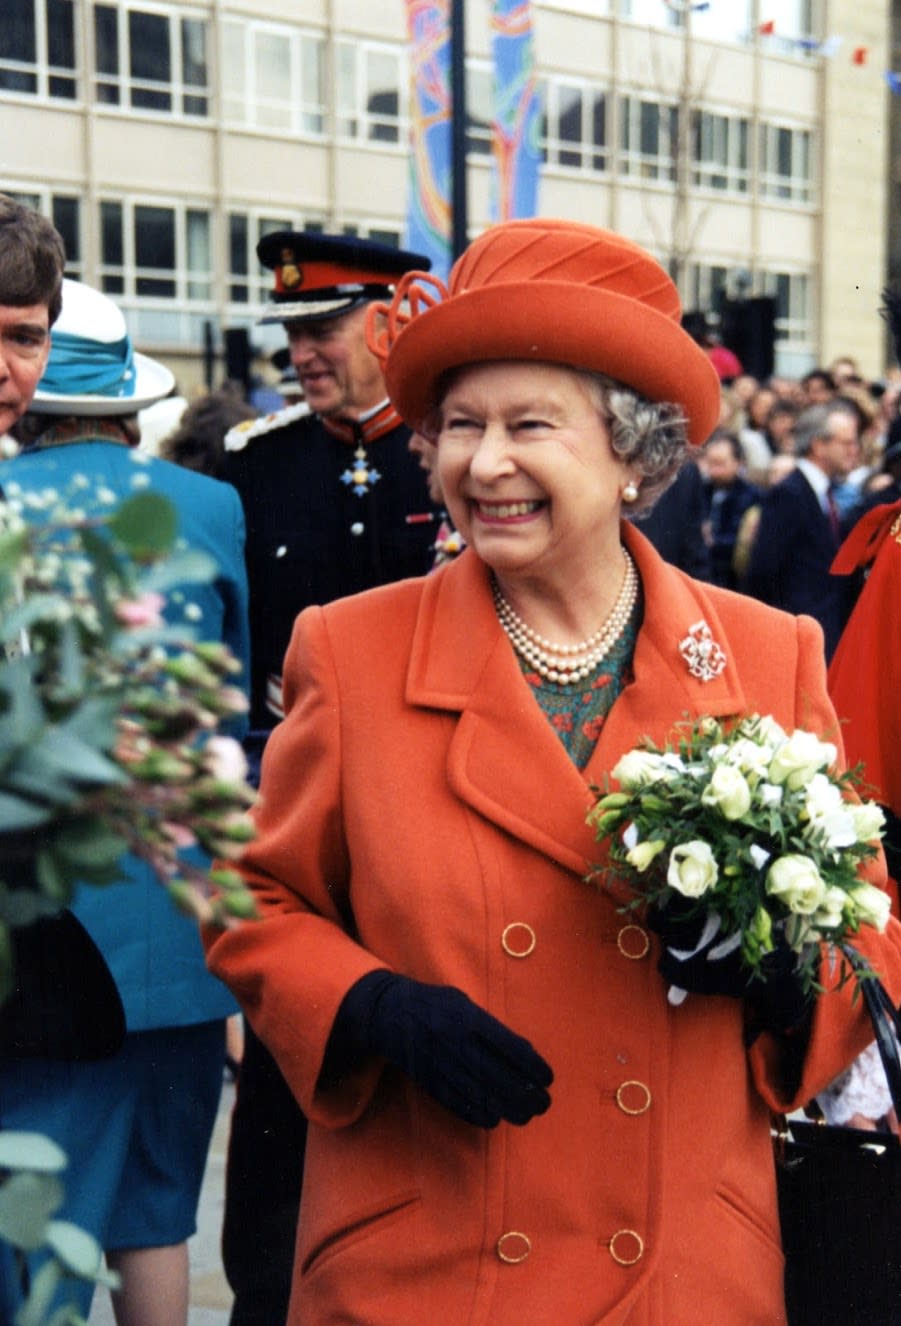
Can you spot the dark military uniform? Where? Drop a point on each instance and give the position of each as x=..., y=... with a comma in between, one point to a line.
x=325, y=517
x=332, y=506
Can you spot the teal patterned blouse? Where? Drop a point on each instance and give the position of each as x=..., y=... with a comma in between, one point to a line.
x=578, y=713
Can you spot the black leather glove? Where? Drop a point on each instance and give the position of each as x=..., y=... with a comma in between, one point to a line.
x=680, y=925
x=462, y=1056
x=776, y=1000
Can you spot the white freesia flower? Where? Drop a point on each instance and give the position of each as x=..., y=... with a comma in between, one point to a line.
x=764, y=729
x=770, y=794
x=750, y=756
x=637, y=768
x=829, y=815
x=728, y=791
x=692, y=869
x=831, y=911
x=799, y=758
x=795, y=880
x=759, y=855
x=873, y=906
x=869, y=821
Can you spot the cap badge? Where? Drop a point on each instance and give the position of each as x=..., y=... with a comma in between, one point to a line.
x=362, y=477
x=705, y=658
x=292, y=274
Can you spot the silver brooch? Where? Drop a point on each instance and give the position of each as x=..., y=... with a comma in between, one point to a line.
x=705, y=658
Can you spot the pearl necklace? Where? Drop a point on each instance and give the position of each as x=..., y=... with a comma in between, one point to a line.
x=566, y=664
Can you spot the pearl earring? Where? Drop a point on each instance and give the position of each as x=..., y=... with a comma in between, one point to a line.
x=630, y=493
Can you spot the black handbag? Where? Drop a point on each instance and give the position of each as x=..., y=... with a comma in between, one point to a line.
x=65, y=1004
x=840, y=1203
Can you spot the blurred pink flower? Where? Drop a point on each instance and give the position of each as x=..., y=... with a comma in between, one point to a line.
x=145, y=610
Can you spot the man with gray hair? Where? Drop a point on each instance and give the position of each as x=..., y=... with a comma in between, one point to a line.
x=800, y=527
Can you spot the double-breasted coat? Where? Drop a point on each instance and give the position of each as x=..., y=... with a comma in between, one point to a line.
x=420, y=813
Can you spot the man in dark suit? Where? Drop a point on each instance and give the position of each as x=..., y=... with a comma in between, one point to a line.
x=727, y=496
x=800, y=527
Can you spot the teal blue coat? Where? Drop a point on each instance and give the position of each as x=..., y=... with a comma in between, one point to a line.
x=153, y=951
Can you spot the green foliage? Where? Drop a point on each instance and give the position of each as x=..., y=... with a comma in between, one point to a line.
x=107, y=746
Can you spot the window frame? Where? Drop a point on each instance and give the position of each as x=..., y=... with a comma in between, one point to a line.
x=120, y=91
x=635, y=163
x=355, y=121
x=249, y=107
x=594, y=158
x=797, y=187
x=40, y=71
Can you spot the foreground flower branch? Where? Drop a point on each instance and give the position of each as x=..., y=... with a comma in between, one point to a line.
x=751, y=829
x=109, y=743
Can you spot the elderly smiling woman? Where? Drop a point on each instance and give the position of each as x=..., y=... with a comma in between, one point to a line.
x=508, y=1121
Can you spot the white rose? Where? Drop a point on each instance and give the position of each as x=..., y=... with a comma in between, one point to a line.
x=872, y=905
x=869, y=821
x=642, y=854
x=799, y=758
x=728, y=791
x=795, y=880
x=637, y=768
x=692, y=869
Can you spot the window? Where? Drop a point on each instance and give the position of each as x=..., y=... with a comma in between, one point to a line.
x=648, y=139
x=372, y=101
x=719, y=152
x=272, y=77
x=65, y=213
x=249, y=281
x=794, y=320
x=165, y=56
x=707, y=287
x=37, y=48
x=156, y=252
x=479, y=109
x=732, y=21
x=574, y=130
x=786, y=162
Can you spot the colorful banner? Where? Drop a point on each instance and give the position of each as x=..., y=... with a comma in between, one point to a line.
x=430, y=184
x=517, y=111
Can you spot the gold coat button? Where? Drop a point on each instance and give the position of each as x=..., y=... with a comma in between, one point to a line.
x=518, y=939
x=633, y=1097
x=633, y=942
x=513, y=1247
x=626, y=1247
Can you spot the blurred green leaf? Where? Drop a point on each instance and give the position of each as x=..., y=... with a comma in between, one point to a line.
x=89, y=843
x=146, y=525
x=31, y=1151
x=12, y=546
x=185, y=566
x=43, y=1288
x=17, y=813
x=6, y=963
x=27, y=1201
x=20, y=906
x=78, y=1250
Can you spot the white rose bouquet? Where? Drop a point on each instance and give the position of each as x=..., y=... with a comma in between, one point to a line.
x=751, y=830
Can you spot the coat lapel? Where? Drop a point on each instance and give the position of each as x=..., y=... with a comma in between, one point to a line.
x=505, y=760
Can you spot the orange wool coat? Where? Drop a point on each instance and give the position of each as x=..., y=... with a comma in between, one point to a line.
x=420, y=813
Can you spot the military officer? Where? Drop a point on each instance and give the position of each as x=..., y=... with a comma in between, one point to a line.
x=333, y=500
x=334, y=503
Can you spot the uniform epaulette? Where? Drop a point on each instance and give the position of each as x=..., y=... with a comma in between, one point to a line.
x=236, y=438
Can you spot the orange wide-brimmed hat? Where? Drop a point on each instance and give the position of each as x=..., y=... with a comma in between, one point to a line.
x=545, y=291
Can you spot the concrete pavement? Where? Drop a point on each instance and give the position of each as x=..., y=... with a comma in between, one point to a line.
x=210, y=1295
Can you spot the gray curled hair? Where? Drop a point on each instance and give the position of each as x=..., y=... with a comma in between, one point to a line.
x=652, y=436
